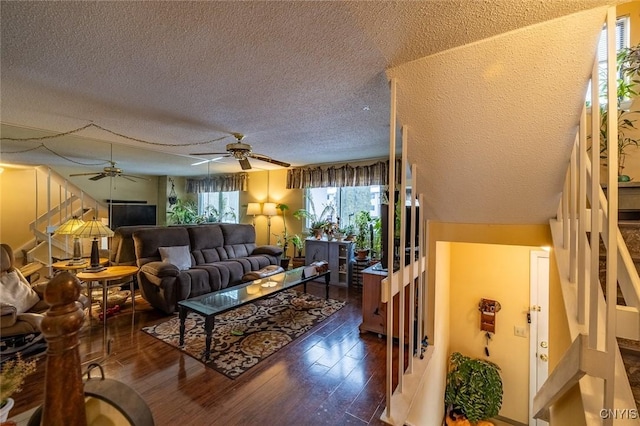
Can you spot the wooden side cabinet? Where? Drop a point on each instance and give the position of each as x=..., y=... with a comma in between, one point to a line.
x=339, y=254
x=374, y=312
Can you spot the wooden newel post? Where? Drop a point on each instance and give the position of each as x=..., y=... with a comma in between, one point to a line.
x=64, y=390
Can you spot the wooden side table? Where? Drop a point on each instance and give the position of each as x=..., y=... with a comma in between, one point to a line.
x=103, y=278
x=66, y=265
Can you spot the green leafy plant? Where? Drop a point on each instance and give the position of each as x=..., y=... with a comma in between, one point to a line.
x=183, y=212
x=212, y=214
x=298, y=244
x=362, y=222
x=474, y=387
x=12, y=376
x=628, y=62
x=318, y=221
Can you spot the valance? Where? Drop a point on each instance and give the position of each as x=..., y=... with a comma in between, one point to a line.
x=347, y=175
x=218, y=183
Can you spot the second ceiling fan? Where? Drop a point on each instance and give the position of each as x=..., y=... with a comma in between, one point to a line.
x=242, y=152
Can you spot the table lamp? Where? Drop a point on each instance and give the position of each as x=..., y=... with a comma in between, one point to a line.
x=253, y=209
x=94, y=229
x=69, y=228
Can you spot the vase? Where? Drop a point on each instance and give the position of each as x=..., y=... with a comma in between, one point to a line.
x=4, y=411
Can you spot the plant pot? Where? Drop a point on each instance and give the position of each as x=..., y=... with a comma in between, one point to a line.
x=361, y=254
x=298, y=262
x=4, y=411
x=284, y=262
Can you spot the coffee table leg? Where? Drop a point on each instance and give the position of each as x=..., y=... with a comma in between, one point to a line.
x=208, y=328
x=182, y=312
x=326, y=280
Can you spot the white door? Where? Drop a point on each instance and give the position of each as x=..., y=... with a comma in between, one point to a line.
x=539, y=327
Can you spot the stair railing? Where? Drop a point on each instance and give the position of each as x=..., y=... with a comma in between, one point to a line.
x=63, y=201
x=593, y=359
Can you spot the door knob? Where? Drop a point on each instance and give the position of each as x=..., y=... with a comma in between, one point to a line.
x=544, y=357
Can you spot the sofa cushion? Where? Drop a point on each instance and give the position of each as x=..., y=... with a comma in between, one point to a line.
x=176, y=255
x=15, y=291
x=148, y=240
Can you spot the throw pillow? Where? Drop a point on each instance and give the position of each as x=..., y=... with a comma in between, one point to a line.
x=177, y=255
x=16, y=292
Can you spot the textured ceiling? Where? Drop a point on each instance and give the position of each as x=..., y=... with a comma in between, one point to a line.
x=304, y=81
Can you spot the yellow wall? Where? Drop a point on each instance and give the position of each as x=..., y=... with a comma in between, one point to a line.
x=498, y=272
x=533, y=236
x=270, y=186
x=430, y=408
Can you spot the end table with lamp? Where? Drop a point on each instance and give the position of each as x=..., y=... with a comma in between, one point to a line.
x=69, y=228
x=94, y=229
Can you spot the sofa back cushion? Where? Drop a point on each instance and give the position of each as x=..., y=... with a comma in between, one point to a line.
x=147, y=242
x=206, y=244
x=239, y=240
x=123, y=251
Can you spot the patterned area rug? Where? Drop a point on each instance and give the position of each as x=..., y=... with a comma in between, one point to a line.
x=246, y=335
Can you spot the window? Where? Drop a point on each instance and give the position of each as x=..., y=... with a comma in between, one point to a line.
x=219, y=206
x=622, y=41
x=346, y=200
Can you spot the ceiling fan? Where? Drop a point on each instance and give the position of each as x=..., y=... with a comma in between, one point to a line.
x=242, y=152
x=110, y=171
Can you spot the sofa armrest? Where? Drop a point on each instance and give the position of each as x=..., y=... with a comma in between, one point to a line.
x=160, y=269
x=8, y=315
x=272, y=250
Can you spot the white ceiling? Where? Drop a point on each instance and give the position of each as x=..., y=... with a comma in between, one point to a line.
x=306, y=82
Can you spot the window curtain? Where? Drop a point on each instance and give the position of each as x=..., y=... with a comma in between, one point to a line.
x=218, y=183
x=361, y=175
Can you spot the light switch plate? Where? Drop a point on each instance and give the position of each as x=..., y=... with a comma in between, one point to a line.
x=520, y=331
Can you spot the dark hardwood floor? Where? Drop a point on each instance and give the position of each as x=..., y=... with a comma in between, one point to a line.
x=332, y=375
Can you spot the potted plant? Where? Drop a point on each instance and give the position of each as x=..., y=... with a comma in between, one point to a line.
x=628, y=60
x=319, y=222
x=363, y=234
x=298, y=245
x=12, y=376
x=183, y=212
x=284, y=238
x=473, y=390
x=212, y=214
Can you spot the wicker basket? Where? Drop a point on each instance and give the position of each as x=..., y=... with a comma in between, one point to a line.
x=114, y=298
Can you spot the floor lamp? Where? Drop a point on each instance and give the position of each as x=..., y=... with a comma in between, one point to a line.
x=69, y=228
x=253, y=209
x=94, y=229
x=269, y=209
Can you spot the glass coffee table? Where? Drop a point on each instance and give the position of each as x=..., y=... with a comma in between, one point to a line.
x=211, y=304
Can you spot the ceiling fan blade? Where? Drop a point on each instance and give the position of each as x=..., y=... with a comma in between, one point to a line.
x=244, y=163
x=134, y=177
x=84, y=174
x=127, y=178
x=268, y=159
x=209, y=153
x=98, y=177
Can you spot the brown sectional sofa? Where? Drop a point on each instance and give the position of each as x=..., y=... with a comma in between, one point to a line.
x=219, y=255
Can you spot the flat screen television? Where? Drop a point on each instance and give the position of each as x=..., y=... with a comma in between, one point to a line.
x=132, y=214
x=385, y=223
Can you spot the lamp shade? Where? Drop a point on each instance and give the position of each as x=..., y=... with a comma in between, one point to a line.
x=93, y=228
x=269, y=209
x=70, y=226
x=253, y=209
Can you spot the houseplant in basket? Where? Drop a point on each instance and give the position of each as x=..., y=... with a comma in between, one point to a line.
x=473, y=391
x=12, y=376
